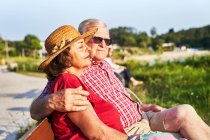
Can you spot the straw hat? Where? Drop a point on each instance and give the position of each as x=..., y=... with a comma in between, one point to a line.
x=62, y=38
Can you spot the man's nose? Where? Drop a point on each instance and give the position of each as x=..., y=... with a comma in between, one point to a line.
x=103, y=43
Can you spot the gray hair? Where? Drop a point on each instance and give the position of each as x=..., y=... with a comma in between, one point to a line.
x=85, y=25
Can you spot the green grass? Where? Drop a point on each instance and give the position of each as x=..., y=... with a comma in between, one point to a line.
x=172, y=83
x=22, y=131
x=26, y=64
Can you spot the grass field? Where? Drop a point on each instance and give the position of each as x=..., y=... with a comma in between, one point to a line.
x=172, y=83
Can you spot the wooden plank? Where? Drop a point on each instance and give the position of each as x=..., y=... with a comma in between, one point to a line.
x=41, y=131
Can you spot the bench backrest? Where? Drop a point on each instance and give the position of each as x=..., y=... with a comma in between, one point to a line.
x=41, y=131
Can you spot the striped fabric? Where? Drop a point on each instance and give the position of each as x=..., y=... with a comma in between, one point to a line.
x=101, y=80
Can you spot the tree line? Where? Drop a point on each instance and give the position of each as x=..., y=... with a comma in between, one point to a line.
x=193, y=38
x=123, y=36
x=29, y=46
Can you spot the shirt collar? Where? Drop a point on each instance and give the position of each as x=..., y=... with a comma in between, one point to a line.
x=103, y=64
x=96, y=63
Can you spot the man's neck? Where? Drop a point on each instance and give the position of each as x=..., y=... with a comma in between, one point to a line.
x=97, y=61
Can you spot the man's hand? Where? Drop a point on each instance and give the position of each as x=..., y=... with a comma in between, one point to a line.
x=151, y=107
x=69, y=100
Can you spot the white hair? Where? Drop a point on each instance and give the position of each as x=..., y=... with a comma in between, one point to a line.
x=85, y=25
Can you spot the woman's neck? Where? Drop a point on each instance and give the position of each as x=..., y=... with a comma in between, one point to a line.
x=75, y=71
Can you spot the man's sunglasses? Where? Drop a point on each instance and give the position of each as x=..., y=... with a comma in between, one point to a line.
x=98, y=40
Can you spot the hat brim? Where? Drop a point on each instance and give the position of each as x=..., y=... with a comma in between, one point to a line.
x=86, y=36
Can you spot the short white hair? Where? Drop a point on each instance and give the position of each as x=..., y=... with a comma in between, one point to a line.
x=89, y=23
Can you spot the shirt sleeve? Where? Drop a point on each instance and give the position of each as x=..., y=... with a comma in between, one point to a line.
x=46, y=89
x=112, y=64
x=67, y=81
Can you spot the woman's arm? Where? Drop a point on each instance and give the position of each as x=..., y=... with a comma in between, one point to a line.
x=92, y=127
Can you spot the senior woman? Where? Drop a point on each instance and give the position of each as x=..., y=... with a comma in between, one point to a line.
x=68, y=58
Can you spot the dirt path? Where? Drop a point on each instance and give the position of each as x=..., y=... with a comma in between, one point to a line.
x=16, y=94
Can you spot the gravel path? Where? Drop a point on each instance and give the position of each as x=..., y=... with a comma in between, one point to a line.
x=16, y=94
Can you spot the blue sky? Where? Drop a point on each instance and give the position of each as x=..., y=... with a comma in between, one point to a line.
x=40, y=17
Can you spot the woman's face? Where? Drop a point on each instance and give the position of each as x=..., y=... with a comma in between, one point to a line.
x=79, y=55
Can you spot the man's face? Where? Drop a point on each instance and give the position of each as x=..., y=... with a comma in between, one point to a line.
x=99, y=44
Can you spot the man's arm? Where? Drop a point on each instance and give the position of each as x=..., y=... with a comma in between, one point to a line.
x=63, y=101
x=92, y=127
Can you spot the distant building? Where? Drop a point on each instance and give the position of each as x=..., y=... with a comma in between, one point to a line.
x=168, y=46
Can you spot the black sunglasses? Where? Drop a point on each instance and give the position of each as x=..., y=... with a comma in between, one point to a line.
x=98, y=40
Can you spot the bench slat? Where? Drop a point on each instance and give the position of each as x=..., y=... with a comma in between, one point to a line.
x=42, y=130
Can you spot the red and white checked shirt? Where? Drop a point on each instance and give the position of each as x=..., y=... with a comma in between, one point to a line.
x=101, y=80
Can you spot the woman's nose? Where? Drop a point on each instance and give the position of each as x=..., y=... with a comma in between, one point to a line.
x=87, y=48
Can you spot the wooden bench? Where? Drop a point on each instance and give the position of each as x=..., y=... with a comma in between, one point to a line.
x=41, y=131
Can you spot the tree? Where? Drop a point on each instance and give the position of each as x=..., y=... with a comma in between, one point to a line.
x=143, y=40
x=157, y=43
x=153, y=31
x=123, y=36
x=29, y=46
x=171, y=30
x=2, y=48
x=33, y=44
x=21, y=47
x=129, y=40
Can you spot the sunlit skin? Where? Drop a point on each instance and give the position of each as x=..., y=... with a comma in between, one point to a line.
x=79, y=57
x=99, y=51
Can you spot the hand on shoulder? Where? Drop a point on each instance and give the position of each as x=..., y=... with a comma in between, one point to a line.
x=70, y=99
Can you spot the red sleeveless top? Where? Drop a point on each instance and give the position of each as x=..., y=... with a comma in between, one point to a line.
x=64, y=128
